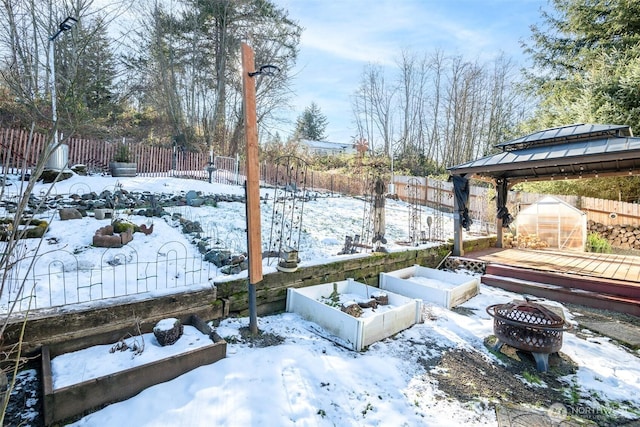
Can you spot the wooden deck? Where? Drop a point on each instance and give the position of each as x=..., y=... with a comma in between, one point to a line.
x=624, y=268
x=604, y=281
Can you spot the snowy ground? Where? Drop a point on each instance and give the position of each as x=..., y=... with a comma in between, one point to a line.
x=65, y=266
x=103, y=360
x=301, y=378
x=308, y=380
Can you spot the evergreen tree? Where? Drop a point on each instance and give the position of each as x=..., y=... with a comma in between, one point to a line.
x=92, y=91
x=587, y=57
x=311, y=124
x=581, y=30
x=185, y=66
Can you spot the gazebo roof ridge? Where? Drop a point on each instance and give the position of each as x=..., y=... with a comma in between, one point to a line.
x=593, y=151
x=567, y=152
x=566, y=133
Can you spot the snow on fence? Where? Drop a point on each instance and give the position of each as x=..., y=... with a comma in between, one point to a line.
x=118, y=272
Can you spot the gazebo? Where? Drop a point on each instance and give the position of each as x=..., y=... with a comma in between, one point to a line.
x=566, y=152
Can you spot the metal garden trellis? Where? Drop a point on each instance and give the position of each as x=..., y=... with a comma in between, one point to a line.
x=288, y=210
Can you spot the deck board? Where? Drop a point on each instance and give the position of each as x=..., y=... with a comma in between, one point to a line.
x=610, y=266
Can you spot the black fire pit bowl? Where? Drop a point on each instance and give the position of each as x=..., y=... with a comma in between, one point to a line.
x=528, y=327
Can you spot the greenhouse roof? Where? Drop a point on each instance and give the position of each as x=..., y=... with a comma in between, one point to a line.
x=568, y=152
x=558, y=206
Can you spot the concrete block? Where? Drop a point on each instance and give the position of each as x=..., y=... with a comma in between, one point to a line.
x=103, y=213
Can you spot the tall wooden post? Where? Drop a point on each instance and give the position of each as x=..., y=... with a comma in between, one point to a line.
x=252, y=187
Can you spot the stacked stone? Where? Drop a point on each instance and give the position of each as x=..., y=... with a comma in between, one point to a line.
x=619, y=236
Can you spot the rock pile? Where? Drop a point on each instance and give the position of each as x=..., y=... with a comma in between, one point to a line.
x=142, y=203
x=619, y=236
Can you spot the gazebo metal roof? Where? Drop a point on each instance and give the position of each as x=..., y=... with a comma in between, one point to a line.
x=568, y=152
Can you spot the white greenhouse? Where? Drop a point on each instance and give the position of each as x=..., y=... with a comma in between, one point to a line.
x=552, y=223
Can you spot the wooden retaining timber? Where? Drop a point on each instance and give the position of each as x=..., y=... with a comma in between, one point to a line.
x=79, y=327
x=271, y=293
x=70, y=402
x=73, y=329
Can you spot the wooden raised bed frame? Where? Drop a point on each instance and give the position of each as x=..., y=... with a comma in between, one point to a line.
x=73, y=401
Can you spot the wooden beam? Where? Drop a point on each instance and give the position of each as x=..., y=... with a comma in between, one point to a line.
x=254, y=240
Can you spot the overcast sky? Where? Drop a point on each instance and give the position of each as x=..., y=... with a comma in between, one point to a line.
x=342, y=36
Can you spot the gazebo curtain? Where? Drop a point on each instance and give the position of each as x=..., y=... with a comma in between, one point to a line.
x=461, y=190
x=502, y=190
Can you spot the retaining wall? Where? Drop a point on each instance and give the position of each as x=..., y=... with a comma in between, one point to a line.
x=79, y=327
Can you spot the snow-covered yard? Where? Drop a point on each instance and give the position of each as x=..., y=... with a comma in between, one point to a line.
x=68, y=269
x=292, y=375
x=436, y=373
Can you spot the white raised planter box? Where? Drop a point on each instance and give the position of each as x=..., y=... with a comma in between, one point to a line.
x=354, y=333
x=439, y=287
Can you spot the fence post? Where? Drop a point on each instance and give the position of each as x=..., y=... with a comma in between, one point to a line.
x=237, y=166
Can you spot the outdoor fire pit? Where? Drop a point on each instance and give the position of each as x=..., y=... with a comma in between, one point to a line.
x=528, y=327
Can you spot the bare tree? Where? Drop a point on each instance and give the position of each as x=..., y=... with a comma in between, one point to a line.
x=374, y=101
x=192, y=69
x=13, y=253
x=26, y=39
x=442, y=109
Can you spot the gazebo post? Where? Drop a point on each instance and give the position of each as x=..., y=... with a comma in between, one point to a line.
x=458, y=244
x=502, y=213
x=499, y=233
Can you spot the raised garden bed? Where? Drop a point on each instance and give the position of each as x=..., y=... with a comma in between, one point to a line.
x=70, y=401
x=443, y=288
x=314, y=303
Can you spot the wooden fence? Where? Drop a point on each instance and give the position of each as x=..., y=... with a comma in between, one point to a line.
x=608, y=212
x=439, y=194
x=611, y=212
x=482, y=202
x=19, y=151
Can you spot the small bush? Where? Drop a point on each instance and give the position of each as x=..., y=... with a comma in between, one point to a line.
x=122, y=153
x=120, y=226
x=597, y=243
